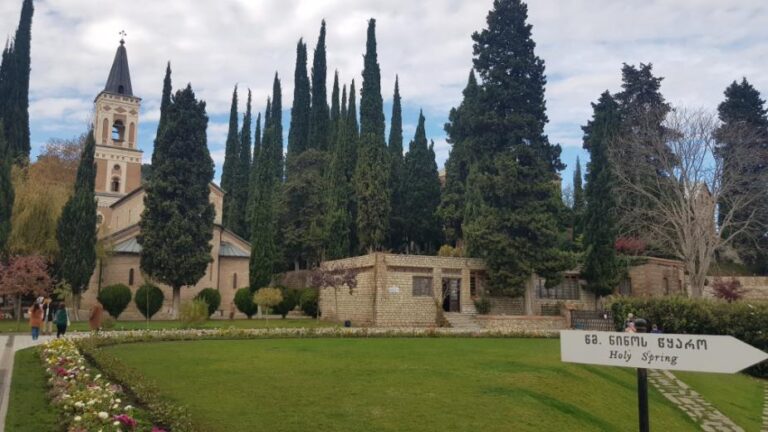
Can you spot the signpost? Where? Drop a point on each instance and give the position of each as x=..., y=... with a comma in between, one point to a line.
x=683, y=352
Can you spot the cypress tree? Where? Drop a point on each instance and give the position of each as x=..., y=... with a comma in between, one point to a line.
x=231, y=156
x=165, y=102
x=76, y=230
x=241, y=181
x=319, y=118
x=335, y=110
x=15, y=111
x=177, y=222
x=266, y=192
x=578, y=200
x=372, y=170
x=339, y=216
x=744, y=109
x=352, y=111
x=516, y=226
x=399, y=217
x=6, y=193
x=298, y=134
x=350, y=161
x=601, y=267
x=422, y=196
x=459, y=130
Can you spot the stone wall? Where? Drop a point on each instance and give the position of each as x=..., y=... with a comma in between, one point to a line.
x=657, y=277
x=357, y=307
x=522, y=324
x=755, y=287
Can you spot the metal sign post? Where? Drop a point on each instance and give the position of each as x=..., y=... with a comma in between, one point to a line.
x=641, y=326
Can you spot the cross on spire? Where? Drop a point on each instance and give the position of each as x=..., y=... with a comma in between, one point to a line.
x=122, y=34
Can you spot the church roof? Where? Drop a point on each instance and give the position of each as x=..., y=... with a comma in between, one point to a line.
x=131, y=246
x=119, y=81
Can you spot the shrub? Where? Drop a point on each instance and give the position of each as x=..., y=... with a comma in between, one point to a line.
x=115, y=299
x=291, y=299
x=212, y=297
x=244, y=302
x=483, y=305
x=267, y=298
x=107, y=323
x=729, y=291
x=450, y=251
x=742, y=320
x=193, y=313
x=630, y=246
x=308, y=302
x=149, y=299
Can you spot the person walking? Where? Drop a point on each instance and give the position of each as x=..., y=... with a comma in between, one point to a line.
x=35, y=320
x=50, y=313
x=62, y=320
x=94, y=321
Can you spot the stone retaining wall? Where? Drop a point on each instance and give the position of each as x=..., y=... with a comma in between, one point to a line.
x=522, y=324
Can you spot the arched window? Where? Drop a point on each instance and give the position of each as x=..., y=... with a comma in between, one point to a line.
x=131, y=134
x=118, y=131
x=99, y=219
x=234, y=281
x=104, y=131
x=115, y=184
x=130, y=277
x=120, y=89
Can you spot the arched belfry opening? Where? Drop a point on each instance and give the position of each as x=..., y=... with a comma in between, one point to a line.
x=118, y=131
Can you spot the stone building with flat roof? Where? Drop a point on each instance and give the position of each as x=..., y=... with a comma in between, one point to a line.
x=120, y=197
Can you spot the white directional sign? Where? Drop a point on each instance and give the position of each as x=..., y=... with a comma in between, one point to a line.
x=685, y=352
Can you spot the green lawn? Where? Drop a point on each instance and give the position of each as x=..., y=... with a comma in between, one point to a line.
x=740, y=397
x=442, y=384
x=7, y=326
x=28, y=406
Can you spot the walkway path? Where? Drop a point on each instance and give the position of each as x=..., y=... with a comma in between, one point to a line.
x=9, y=345
x=702, y=412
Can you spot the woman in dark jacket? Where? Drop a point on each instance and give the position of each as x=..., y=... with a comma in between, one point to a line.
x=61, y=320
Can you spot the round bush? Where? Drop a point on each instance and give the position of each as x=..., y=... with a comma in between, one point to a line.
x=308, y=302
x=291, y=299
x=193, y=313
x=212, y=297
x=115, y=299
x=244, y=302
x=149, y=299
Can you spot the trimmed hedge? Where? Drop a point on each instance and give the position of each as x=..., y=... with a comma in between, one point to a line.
x=244, y=302
x=149, y=299
x=211, y=297
x=308, y=302
x=746, y=321
x=115, y=298
x=291, y=298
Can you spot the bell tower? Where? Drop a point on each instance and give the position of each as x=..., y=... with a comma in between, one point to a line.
x=115, y=127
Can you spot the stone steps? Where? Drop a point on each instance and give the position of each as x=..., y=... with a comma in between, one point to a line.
x=464, y=321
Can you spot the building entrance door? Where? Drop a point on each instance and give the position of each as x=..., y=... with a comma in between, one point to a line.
x=451, y=294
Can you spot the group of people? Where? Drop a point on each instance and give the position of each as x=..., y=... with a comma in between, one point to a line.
x=629, y=325
x=45, y=313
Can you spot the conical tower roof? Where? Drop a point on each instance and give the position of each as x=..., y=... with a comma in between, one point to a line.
x=119, y=81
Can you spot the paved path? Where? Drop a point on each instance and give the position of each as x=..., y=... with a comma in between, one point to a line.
x=702, y=412
x=9, y=345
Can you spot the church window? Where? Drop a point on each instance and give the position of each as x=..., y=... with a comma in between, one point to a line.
x=118, y=131
x=234, y=281
x=130, y=277
x=120, y=89
x=104, y=131
x=99, y=219
x=115, y=184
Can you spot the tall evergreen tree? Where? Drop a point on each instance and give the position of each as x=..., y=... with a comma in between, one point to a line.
x=398, y=218
x=352, y=111
x=241, y=182
x=335, y=109
x=350, y=161
x=229, y=169
x=372, y=170
x=743, y=108
x=265, y=195
x=14, y=90
x=165, y=102
x=76, y=230
x=319, y=119
x=516, y=224
x=177, y=222
x=298, y=134
x=422, y=196
x=339, y=211
x=578, y=200
x=601, y=268
x=6, y=193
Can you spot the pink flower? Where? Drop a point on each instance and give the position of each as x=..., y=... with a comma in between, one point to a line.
x=126, y=420
x=157, y=429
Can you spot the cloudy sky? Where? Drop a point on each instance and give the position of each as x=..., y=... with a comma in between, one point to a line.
x=698, y=46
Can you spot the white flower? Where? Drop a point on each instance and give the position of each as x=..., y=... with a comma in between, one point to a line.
x=103, y=415
x=117, y=423
x=78, y=418
x=79, y=404
x=118, y=400
x=128, y=407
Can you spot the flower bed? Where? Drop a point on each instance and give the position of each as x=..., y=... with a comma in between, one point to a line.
x=90, y=403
